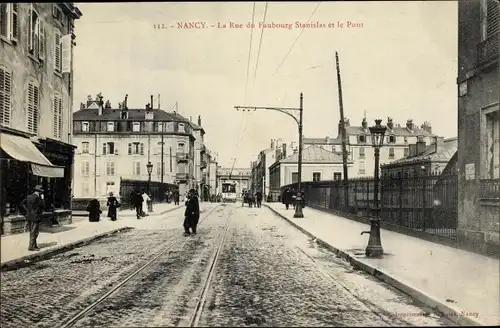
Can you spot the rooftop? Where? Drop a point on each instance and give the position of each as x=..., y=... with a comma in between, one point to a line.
x=443, y=154
x=314, y=154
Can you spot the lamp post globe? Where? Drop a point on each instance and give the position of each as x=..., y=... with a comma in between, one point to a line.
x=374, y=248
x=149, y=167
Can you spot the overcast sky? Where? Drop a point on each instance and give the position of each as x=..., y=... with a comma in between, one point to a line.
x=402, y=63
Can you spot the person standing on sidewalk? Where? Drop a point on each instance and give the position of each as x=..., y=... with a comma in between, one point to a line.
x=33, y=205
x=145, y=202
x=94, y=209
x=112, y=206
x=176, y=196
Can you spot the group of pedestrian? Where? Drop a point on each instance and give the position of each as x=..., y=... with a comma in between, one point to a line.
x=251, y=199
x=172, y=195
x=94, y=208
x=289, y=197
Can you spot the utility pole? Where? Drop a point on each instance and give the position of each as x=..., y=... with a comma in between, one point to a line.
x=344, y=134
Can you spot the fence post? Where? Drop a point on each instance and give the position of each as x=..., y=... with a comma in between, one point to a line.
x=400, y=218
x=424, y=193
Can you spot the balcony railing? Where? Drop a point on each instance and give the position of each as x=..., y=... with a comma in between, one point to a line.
x=182, y=176
x=488, y=49
x=182, y=156
x=490, y=189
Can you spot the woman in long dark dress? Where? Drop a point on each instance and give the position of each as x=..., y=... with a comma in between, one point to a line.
x=94, y=209
x=112, y=206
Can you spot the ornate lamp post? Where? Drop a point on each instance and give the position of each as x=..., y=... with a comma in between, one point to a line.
x=374, y=248
x=292, y=113
x=149, y=166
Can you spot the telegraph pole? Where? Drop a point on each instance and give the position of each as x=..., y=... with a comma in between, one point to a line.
x=344, y=134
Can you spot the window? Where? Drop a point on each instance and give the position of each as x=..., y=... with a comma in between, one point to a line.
x=492, y=18
x=159, y=149
x=111, y=126
x=334, y=149
x=295, y=177
x=136, y=148
x=361, y=168
x=392, y=139
x=57, y=51
x=5, y=95
x=57, y=14
x=36, y=35
x=136, y=127
x=361, y=139
x=9, y=23
x=169, y=126
x=57, y=113
x=181, y=127
x=337, y=176
x=405, y=140
x=108, y=148
x=406, y=152
x=316, y=176
x=33, y=103
x=85, y=147
x=160, y=126
x=136, y=169
x=180, y=147
x=361, y=152
x=85, y=169
x=85, y=126
x=110, y=169
x=391, y=152
x=158, y=169
x=492, y=145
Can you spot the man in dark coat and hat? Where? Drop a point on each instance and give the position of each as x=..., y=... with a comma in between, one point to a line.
x=192, y=213
x=33, y=205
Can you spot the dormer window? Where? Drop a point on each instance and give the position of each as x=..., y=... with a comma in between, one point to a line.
x=392, y=139
x=149, y=116
x=85, y=126
x=181, y=127
x=406, y=140
x=362, y=139
x=111, y=127
x=160, y=127
x=136, y=127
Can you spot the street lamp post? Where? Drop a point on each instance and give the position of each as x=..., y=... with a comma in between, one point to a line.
x=149, y=167
x=374, y=248
x=290, y=112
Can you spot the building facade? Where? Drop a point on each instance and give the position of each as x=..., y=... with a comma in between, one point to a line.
x=318, y=164
x=242, y=177
x=115, y=144
x=212, y=175
x=423, y=159
x=478, y=125
x=260, y=167
x=359, y=145
x=36, y=96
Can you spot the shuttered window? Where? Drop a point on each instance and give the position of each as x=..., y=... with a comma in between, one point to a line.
x=41, y=41
x=33, y=107
x=493, y=18
x=110, y=168
x=57, y=51
x=85, y=169
x=57, y=114
x=33, y=39
x=5, y=95
x=136, y=168
x=9, y=23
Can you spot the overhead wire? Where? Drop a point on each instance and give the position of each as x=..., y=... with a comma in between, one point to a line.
x=298, y=37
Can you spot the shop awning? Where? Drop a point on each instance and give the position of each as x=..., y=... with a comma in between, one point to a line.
x=24, y=150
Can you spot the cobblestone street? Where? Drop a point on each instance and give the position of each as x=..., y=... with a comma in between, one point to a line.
x=267, y=274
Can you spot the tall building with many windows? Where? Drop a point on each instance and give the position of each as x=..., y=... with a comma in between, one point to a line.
x=478, y=125
x=115, y=144
x=359, y=145
x=36, y=98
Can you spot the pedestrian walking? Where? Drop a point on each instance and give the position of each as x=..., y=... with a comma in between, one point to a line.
x=258, y=196
x=33, y=206
x=286, y=197
x=94, y=209
x=192, y=213
x=145, y=202
x=136, y=201
x=112, y=206
x=176, y=196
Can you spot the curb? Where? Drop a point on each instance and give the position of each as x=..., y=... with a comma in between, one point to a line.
x=39, y=256
x=451, y=313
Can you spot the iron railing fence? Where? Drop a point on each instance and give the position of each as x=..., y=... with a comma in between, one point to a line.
x=157, y=192
x=425, y=203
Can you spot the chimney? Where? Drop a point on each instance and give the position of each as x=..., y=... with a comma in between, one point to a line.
x=409, y=125
x=427, y=127
x=151, y=103
x=100, y=107
x=364, y=123
x=82, y=106
x=199, y=120
x=108, y=104
x=390, y=123
x=125, y=106
x=438, y=143
x=283, y=146
x=420, y=146
x=272, y=143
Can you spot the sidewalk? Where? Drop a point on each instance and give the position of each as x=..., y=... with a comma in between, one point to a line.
x=463, y=285
x=158, y=209
x=15, y=247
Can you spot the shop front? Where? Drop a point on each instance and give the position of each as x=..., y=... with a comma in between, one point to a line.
x=23, y=166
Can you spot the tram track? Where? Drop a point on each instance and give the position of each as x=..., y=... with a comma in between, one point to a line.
x=173, y=242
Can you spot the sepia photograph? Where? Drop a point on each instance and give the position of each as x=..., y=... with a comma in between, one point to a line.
x=250, y=164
